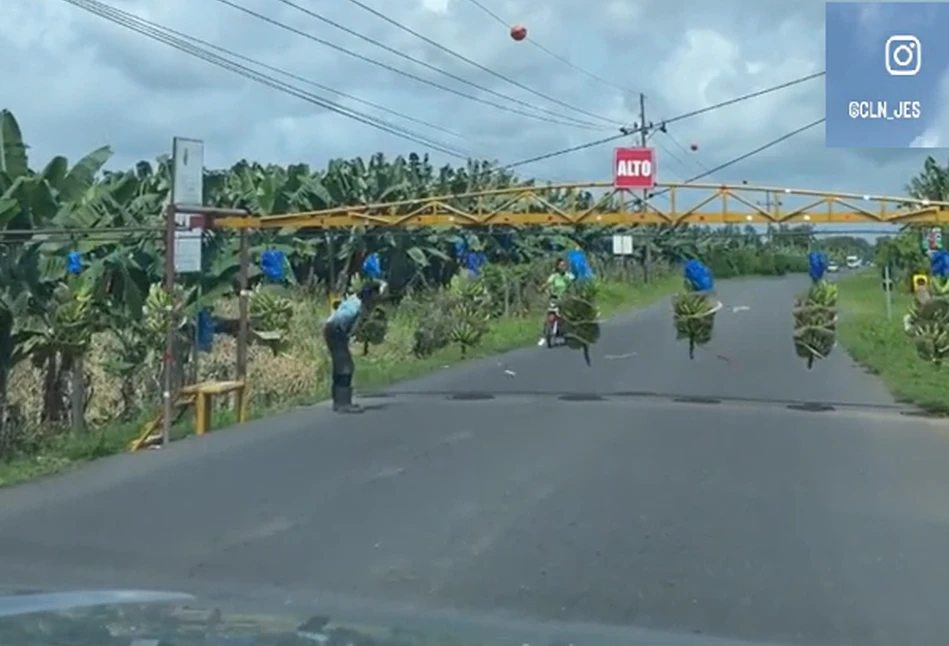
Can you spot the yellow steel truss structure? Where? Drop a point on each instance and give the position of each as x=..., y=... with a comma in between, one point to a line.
x=600, y=203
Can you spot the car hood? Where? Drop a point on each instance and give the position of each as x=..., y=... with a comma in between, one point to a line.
x=156, y=618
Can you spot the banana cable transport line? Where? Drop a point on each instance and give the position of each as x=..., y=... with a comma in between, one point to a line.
x=132, y=23
x=747, y=155
x=561, y=120
x=553, y=54
x=626, y=132
x=228, y=52
x=476, y=64
x=435, y=68
x=158, y=233
x=129, y=21
x=685, y=152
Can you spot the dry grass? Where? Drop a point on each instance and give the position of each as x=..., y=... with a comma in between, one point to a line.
x=277, y=382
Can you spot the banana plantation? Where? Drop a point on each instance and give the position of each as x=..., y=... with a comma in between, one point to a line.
x=83, y=312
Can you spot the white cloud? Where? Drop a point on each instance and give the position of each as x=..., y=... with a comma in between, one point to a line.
x=936, y=134
x=929, y=139
x=79, y=82
x=436, y=6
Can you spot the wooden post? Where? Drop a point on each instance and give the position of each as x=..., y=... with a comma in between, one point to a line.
x=243, y=327
x=647, y=251
x=168, y=397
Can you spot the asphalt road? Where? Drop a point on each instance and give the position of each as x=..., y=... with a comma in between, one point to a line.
x=606, y=495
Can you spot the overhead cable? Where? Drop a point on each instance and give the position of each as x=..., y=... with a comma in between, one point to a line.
x=133, y=23
x=473, y=63
x=651, y=128
x=682, y=148
x=556, y=118
x=296, y=77
x=551, y=53
x=747, y=155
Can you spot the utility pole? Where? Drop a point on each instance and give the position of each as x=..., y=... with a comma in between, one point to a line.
x=647, y=252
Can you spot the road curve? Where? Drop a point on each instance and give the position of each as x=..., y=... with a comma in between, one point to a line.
x=648, y=490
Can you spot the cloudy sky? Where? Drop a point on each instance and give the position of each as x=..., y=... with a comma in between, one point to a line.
x=78, y=81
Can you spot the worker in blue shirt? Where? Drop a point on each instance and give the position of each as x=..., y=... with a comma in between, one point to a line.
x=336, y=332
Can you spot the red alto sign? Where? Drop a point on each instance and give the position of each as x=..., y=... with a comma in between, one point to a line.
x=634, y=168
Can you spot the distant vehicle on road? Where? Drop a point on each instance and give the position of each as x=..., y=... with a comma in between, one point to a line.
x=833, y=267
x=853, y=262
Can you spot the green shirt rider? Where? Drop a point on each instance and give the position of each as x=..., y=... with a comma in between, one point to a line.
x=559, y=281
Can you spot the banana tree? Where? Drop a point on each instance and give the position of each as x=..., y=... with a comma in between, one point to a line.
x=57, y=337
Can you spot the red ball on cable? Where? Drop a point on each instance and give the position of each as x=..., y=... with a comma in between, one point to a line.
x=518, y=32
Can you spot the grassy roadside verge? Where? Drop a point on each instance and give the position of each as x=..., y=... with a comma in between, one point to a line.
x=882, y=347
x=506, y=334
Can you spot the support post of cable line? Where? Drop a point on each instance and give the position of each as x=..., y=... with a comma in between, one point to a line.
x=647, y=251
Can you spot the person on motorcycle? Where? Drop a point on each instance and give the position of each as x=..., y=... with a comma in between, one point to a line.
x=558, y=283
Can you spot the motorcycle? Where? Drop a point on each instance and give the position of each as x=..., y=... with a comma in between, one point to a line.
x=552, y=325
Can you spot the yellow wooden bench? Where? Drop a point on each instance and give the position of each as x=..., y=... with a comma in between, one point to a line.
x=201, y=396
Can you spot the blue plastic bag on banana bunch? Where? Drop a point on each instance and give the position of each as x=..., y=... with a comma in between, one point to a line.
x=698, y=276
x=815, y=314
x=694, y=308
x=273, y=265
x=817, y=265
x=372, y=266
x=475, y=261
x=579, y=266
x=578, y=311
x=74, y=263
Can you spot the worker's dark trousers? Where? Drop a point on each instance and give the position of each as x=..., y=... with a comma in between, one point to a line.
x=341, y=359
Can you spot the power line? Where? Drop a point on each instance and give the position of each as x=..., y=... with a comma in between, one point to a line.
x=476, y=64
x=224, y=50
x=565, y=151
x=553, y=54
x=296, y=77
x=560, y=120
x=684, y=151
x=750, y=153
x=671, y=154
x=133, y=23
x=652, y=127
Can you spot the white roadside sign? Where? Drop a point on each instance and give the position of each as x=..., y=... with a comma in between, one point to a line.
x=622, y=245
x=187, y=190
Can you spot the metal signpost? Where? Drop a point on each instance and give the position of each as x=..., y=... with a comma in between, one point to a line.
x=182, y=248
x=186, y=219
x=888, y=291
x=635, y=168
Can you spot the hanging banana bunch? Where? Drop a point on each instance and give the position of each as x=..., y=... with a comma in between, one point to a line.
x=694, y=309
x=469, y=314
x=371, y=328
x=815, y=322
x=928, y=320
x=159, y=310
x=270, y=316
x=579, y=314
